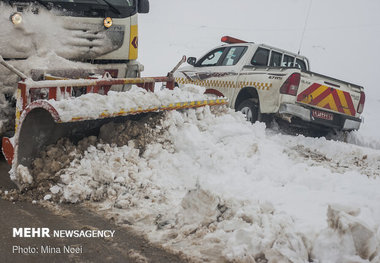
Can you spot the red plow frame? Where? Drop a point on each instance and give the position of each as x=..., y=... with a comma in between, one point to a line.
x=35, y=115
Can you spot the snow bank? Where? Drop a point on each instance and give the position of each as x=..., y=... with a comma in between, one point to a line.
x=217, y=229
x=216, y=187
x=347, y=239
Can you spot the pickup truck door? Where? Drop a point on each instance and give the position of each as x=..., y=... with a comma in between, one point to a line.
x=265, y=79
x=217, y=71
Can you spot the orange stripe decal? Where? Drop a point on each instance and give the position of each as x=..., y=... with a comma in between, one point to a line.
x=327, y=98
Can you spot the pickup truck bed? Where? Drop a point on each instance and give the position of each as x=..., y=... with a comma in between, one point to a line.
x=328, y=101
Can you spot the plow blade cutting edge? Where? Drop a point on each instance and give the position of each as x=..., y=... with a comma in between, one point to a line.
x=41, y=117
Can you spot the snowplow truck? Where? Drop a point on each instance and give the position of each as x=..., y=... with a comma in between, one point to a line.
x=68, y=67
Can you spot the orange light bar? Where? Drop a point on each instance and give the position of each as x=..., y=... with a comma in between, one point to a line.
x=232, y=40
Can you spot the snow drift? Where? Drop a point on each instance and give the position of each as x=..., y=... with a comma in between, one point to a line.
x=217, y=188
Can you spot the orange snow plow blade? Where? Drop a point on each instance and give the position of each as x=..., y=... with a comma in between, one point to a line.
x=41, y=117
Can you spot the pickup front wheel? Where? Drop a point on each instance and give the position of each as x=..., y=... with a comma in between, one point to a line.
x=250, y=109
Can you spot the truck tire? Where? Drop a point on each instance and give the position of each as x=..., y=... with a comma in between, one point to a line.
x=250, y=109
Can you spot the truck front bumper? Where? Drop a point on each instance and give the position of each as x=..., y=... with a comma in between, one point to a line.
x=288, y=111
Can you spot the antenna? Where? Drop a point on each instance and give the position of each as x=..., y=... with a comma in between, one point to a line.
x=304, y=28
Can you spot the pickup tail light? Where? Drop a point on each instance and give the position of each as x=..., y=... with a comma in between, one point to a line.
x=290, y=86
x=361, y=102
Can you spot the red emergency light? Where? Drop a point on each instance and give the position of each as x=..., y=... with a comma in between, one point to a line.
x=232, y=40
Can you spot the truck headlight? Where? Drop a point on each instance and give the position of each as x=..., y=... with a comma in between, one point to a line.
x=107, y=22
x=16, y=18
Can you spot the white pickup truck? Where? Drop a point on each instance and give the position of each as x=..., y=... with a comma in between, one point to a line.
x=263, y=81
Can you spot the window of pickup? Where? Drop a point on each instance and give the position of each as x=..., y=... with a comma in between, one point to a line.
x=275, y=59
x=212, y=58
x=288, y=61
x=233, y=56
x=301, y=64
x=261, y=57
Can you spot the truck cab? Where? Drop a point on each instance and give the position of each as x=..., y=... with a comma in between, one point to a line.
x=103, y=33
x=59, y=39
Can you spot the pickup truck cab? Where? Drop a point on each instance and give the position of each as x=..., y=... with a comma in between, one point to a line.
x=264, y=81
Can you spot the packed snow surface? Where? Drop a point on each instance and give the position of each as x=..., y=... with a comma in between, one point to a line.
x=219, y=188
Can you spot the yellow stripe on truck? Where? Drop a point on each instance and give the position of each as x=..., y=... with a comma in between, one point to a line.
x=133, y=43
x=343, y=101
x=225, y=84
x=329, y=102
x=318, y=91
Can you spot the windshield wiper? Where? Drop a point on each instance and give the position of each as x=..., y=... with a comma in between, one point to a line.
x=48, y=5
x=112, y=6
x=43, y=3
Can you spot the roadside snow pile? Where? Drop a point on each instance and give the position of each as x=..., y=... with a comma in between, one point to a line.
x=359, y=138
x=130, y=188
x=93, y=105
x=347, y=239
x=319, y=152
x=215, y=187
x=45, y=171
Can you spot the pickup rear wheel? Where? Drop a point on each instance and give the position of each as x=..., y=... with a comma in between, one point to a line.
x=250, y=109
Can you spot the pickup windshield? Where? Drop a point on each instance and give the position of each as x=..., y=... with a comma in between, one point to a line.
x=92, y=8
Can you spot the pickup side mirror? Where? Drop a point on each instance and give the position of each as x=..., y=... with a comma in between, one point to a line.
x=192, y=60
x=143, y=6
